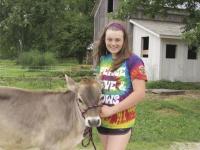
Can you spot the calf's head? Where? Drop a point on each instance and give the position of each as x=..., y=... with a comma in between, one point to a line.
x=88, y=93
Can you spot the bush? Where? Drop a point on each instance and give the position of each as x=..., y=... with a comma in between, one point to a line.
x=8, y=53
x=35, y=59
x=173, y=85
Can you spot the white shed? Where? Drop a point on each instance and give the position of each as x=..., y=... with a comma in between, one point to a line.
x=165, y=54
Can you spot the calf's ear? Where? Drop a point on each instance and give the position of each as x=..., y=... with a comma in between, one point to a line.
x=71, y=84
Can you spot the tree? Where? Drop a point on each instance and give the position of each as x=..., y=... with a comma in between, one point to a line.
x=77, y=33
x=60, y=26
x=154, y=7
x=27, y=24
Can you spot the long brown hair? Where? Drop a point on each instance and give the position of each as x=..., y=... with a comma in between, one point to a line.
x=122, y=55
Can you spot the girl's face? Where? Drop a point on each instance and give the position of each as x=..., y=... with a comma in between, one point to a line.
x=114, y=40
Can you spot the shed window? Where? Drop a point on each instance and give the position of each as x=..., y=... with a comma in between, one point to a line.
x=170, y=51
x=192, y=52
x=145, y=46
x=110, y=6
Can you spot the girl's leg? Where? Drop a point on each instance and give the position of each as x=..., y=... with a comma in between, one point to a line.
x=118, y=142
x=103, y=139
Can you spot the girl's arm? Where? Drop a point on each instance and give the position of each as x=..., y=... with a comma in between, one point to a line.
x=136, y=96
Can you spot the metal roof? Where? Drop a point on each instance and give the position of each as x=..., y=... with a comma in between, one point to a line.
x=160, y=28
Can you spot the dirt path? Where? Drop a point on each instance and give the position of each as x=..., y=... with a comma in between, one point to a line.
x=185, y=146
x=195, y=94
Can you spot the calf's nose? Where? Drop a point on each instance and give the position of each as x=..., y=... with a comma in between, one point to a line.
x=93, y=122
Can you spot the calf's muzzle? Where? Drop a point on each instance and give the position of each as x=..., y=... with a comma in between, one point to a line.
x=93, y=121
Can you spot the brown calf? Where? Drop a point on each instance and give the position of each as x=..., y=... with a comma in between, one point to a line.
x=48, y=120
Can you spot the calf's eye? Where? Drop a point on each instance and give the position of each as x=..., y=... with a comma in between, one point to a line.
x=80, y=101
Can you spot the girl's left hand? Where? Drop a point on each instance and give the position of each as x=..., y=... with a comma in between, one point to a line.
x=107, y=111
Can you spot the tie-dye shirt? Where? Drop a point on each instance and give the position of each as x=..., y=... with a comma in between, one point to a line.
x=117, y=86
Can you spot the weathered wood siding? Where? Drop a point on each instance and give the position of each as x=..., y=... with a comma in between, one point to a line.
x=101, y=18
x=173, y=15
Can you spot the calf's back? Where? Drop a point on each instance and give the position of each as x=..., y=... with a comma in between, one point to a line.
x=38, y=119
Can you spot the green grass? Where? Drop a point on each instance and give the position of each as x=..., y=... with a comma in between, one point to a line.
x=161, y=120
x=168, y=119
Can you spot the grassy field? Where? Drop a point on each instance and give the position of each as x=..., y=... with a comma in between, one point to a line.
x=161, y=120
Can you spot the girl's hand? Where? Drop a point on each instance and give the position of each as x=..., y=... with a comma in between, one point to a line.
x=107, y=111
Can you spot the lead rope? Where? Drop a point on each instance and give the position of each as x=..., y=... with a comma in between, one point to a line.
x=88, y=130
x=88, y=135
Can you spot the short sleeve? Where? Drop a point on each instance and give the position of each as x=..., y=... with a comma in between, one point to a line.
x=137, y=68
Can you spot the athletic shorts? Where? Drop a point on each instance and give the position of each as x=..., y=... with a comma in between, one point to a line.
x=108, y=131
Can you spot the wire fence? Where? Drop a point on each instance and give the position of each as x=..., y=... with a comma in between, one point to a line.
x=47, y=77
x=10, y=71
